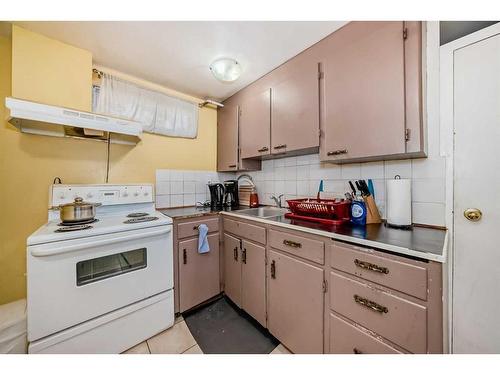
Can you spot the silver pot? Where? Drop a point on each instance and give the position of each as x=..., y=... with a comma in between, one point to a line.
x=77, y=211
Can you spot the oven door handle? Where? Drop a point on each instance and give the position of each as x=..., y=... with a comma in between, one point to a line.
x=108, y=241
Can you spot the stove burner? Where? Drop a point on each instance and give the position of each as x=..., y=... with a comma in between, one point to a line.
x=137, y=214
x=73, y=228
x=78, y=223
x=140, y=219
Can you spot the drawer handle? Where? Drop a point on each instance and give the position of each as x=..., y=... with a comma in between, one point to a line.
x=232, y=166
x=279, y=147
x=356, y=351
x=370, y=304
x=336, y=152
x=292, y=243
x=235, y=254
x=273, y=269
x=196, y=227
x=263, y=149
x=371, y=266
x=184, y=256
x=244, y=256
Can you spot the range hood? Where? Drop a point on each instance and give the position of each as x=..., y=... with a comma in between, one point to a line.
x=43, y=119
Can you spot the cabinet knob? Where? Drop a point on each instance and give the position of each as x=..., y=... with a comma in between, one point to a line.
x=184, y=256
x=279, y=147
x=244, y=256
x=235, y=254
x=263, y=149
x=336, y=152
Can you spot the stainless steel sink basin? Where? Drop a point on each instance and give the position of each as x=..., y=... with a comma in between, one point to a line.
x=263, y=212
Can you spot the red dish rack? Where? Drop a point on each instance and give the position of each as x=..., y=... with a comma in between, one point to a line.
x=324, y=211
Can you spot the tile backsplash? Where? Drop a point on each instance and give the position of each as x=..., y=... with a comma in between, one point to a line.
x=299, y=177
x=177, y=188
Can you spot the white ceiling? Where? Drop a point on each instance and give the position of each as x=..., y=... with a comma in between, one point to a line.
x=177, y=54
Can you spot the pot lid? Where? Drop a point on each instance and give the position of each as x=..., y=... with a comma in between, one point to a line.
x=78, y=202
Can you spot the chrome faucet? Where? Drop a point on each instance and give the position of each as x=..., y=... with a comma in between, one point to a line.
x=277, y=200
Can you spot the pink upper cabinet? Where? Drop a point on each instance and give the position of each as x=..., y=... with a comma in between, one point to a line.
x=295, y=108
x=366, y=89
x=227, y=138
x=255, y=125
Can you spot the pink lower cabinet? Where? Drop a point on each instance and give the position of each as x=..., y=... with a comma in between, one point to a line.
x=245, y=276
x=232, y=268
x=399, y=320
x=383, y=300
x=345, y=338
x=295, y=302
x=253, y=281
x=198, y=273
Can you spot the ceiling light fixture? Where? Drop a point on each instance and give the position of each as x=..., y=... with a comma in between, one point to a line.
x=226, y=70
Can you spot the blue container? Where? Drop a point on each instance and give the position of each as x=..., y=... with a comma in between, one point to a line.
x=358, y=213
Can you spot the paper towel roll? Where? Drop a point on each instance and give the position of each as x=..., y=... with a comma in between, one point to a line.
x=399, y=202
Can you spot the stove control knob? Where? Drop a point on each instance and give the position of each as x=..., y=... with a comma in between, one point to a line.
x=125, y=194
x=136, y=194
x=61, y=196
x=89, y=195
x=146, y=193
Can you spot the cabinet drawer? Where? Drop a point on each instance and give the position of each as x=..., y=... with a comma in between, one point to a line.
x=399, y=275
x=190, y=229
x=245, y=230
x=303, y=247
x=348, y=339
x=400, y=321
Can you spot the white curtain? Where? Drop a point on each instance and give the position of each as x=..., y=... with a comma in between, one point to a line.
x=158, y=113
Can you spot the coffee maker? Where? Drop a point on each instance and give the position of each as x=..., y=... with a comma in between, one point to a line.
x=216, y=195
x=231, y=198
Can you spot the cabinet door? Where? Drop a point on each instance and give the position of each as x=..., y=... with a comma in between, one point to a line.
x=365, y=92
x=295, y=110
x=253, y=281
x=227, y=138
x=255, y=125
x=295, y=303
x=232, y=268
x=198, y=273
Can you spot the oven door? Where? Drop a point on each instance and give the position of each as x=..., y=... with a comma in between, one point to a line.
x=72, y=281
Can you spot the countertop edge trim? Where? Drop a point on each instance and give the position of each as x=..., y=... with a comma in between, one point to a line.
x=359, y=241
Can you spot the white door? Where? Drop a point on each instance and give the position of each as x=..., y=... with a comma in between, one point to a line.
x=476, y=272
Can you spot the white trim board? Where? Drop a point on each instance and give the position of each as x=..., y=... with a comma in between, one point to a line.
x=447, y=52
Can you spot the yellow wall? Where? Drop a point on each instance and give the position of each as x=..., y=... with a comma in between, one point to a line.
x=48, y=71
x=29, y=163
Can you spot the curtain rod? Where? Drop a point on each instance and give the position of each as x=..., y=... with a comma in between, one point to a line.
x=205, y=102
x=98, y=72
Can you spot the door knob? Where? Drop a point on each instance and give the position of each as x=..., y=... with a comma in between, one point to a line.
x=473, y=214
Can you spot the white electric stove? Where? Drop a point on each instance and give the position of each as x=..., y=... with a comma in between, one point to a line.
x=105, y=285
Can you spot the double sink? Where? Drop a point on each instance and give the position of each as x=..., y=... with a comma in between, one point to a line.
x=263, y=212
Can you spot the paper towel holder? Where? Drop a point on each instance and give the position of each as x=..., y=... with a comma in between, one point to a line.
x=396, y=226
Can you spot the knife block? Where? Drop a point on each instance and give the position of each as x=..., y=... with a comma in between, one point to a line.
x=372, y=214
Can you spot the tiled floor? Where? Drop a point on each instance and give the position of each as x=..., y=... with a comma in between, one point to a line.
x=178, y=340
